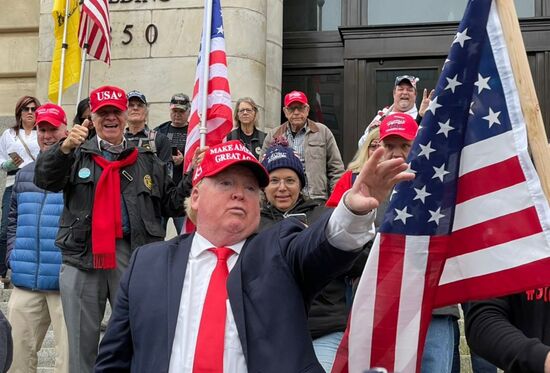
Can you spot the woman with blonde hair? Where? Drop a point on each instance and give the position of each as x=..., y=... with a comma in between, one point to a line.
x=246, y=122
x=371, y=143
x=18, y=147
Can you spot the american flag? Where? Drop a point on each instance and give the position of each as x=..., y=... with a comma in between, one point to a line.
x=474, y=222
x=95, y=29
x=219, y=117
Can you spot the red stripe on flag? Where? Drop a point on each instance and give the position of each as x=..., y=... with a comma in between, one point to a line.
x=388, y=288
x=218, y=57
x=495, y=232
x=489, y=179
x=527, y=276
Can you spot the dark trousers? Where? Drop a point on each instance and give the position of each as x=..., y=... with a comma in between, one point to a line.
x=6, y=198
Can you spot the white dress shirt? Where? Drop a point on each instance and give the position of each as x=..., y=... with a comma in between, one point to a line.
x=344, y=230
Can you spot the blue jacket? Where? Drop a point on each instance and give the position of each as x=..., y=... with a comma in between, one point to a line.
x=33, y=222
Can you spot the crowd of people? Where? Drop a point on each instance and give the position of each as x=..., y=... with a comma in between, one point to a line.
x=266, y=281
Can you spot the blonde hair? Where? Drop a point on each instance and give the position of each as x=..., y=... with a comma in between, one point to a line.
x=362, y=154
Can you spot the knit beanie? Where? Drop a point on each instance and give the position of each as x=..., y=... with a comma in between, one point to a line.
x=283, y=157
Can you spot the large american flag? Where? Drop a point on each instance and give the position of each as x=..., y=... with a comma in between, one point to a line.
x=95, y=29
x=219, y=117
x=473, y=224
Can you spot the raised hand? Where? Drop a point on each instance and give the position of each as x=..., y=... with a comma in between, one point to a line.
x=77, y=136
x=425, y=101
x=375, y=181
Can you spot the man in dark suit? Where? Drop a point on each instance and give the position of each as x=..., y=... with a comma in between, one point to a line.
x=172, y=314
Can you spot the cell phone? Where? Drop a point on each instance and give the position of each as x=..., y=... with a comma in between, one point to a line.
x=15, y=157
x=174, y=150
x=302, y=217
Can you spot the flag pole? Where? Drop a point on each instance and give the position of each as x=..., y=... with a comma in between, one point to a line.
x=83, y=64
x=536, y=133
x=207, y=35
x=64, y=47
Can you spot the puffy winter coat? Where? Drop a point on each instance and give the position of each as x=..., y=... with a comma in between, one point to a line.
x=32, y=227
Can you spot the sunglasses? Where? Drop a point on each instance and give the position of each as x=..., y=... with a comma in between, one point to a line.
x=28, y=109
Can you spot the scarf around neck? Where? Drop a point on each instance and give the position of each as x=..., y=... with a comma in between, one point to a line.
x=106, y=211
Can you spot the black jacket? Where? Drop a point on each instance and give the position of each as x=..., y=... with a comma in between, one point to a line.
x=512, y=332
x=147, y=190
x=329, y=310
x=254, y=144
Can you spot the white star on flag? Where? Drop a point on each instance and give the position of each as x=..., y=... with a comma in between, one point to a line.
x=471, y=107
x=440, y=172
x=402, y=215
x=436, y=215
x=482, y=83
x=452, y=83
x=421, y=194
x=433, y=106
x=445, y=127
x=409, y=169
x=492, y=117
x=220, y=29
x=461, y=37
x=426, y=150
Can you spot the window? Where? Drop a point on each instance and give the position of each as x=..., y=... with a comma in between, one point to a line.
x=382, y=12
x=312, y=15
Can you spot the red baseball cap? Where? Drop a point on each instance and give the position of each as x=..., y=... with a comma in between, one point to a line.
x=108, y=96
x=295, y=96
x=402, y=125
x=52, y=114
x=224, y=155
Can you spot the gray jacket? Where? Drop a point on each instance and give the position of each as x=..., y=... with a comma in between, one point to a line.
x=323, y=162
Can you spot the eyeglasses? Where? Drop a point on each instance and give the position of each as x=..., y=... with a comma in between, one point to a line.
x=300, y=108
x=242, y=111
x=289, y=181
x=29, y=109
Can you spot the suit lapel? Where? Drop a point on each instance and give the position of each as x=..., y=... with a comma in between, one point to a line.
x=177, y=264
x=235, y=294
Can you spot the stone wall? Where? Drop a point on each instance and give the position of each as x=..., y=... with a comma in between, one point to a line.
x=19, y=22
x=166, y=66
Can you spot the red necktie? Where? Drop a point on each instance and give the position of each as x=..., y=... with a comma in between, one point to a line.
x=210, y=341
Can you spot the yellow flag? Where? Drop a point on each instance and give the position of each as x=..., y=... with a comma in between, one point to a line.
x=71, y=73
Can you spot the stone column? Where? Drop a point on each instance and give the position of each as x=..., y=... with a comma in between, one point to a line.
x=274, y=58
x=253, y=31
x=19, y=46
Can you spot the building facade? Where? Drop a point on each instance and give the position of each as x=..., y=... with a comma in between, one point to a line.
x=344, y=54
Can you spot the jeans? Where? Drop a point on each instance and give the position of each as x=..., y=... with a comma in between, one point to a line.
x=325, y=349
x=6, y=199
x=439, y=346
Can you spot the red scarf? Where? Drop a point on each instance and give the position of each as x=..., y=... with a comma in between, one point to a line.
x=106, y=214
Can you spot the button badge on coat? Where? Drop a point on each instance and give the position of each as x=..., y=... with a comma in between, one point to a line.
x=84, y=173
